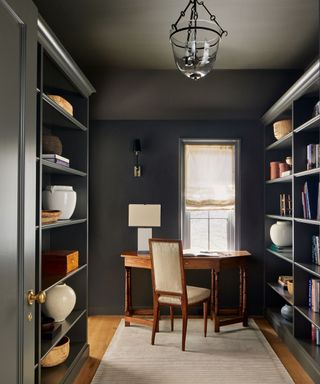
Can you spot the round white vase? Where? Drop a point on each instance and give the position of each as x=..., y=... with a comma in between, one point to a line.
x=60, y=197
x=281, y=233
x=60, y=302
x=287, y=312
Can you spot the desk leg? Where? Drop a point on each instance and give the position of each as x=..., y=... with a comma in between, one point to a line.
x=216, y=303
x=244, y=311
x=128, y=297
x=240, y=292
x=212, y=293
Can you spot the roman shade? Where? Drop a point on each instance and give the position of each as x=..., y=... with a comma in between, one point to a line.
x=209, y=176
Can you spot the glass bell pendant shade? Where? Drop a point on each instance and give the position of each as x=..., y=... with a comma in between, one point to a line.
x=195, y=45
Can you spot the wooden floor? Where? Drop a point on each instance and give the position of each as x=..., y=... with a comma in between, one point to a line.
x=102, y=329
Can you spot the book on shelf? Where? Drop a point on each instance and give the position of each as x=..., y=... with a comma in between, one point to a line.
x=286, y=173
x=48, y=156
x=57, y=159
x=315, y=335
x=315, y=250
x=313, y=154
x=60, y=162
x=314, y=294
x=310, y=200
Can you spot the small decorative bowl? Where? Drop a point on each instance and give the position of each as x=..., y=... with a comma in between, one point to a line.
x=58, y=354
x=63, y=103
x=289, y=160
x=282, y=128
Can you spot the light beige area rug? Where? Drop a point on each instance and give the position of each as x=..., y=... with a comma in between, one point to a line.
x=235, y=355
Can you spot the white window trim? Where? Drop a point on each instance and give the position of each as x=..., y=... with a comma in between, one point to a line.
x=237, y=144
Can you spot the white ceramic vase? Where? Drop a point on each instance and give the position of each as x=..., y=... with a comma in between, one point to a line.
x=287, y=312
x=281, y=233
x=60, y=197
x=60, y=302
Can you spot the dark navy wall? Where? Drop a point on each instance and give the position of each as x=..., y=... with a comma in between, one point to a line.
x=113, y=187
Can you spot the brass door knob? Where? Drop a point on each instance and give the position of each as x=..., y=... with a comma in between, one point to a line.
x=40, y=297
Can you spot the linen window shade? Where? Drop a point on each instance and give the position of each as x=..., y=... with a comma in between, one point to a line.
x=210, y=177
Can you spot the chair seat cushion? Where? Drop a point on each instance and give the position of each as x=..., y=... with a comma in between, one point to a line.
x=195, y=295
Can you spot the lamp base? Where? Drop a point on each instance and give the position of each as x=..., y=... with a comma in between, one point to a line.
x=144, y=234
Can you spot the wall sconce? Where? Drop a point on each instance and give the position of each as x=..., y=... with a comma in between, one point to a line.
x=137, y=151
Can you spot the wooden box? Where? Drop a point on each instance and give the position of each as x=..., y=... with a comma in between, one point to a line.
x=57, y=262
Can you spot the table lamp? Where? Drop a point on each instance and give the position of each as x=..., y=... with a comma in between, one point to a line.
x=144, y=215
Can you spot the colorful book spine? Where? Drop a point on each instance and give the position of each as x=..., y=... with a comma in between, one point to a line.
x=314, y=296
x=310, y=293
x=311, y=156
x=303, y=199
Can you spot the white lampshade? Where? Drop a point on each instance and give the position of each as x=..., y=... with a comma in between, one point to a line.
x=144, y=215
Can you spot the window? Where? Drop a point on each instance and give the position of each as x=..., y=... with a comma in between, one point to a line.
x=209, y=194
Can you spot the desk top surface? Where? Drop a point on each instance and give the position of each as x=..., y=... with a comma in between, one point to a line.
x=188, y=255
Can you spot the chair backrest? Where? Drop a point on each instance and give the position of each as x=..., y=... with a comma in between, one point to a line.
x=167, y=266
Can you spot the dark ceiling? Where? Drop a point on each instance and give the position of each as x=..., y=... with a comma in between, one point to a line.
x=133, y=34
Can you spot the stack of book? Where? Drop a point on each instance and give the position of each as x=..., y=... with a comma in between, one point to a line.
x=313, y=156
x=314, y=294
x=315, y=250
x=57, y=159
x=310, y=200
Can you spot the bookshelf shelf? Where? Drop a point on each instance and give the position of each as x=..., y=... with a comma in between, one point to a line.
x=298, y=105
x=274, y=315
x=308, y=172
x=54, y=375
x=282, y=255
x=310, y=125
x=282, y=292
x=51, y=281
x=278, y=217
x=63, y=223
x=284, y=179
x=50, y=167
x=310, y=267
x=284, y=142
x=66, y=325
x=54, y=115
x=313, y=317
x=306, y=221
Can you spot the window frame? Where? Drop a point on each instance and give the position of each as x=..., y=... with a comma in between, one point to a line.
x=183, y=223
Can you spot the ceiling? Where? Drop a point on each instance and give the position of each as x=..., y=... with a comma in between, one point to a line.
x=133, y=34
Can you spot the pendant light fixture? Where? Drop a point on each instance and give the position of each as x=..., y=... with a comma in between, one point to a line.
x=195, y=42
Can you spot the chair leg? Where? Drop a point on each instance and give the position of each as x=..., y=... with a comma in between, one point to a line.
x=184, y=326
x=205, y=317
x=171, y=317
x=155, y=325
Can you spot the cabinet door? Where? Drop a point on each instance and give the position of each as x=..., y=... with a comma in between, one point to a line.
x=18, y=43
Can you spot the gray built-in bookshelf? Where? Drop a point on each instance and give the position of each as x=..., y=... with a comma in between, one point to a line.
x=297, y=104
x=59, y=75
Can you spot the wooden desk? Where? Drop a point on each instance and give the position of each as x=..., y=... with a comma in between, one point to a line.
x=232, y=259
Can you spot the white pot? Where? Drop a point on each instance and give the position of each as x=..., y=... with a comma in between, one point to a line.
x=281, y=233
x=60, y=197
x=60, y=302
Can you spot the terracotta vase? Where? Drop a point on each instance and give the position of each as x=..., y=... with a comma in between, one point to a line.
x=274, y=170
x=283, y=167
